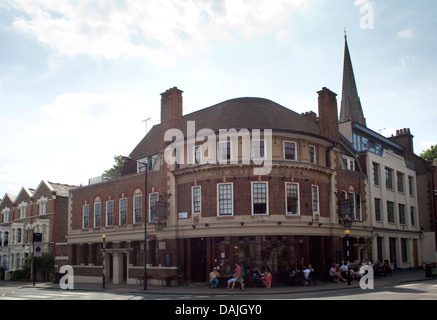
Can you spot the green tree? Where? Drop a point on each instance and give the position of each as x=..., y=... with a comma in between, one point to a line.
x=429, y=154
x=115, y=171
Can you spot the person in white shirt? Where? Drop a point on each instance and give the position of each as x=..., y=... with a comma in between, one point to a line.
x=307, y=272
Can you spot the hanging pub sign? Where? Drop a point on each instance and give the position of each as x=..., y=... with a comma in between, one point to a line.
x=345, y=207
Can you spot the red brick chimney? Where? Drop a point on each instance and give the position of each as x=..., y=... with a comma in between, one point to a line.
x=171, y=111
x=405, y=139
x=328, y=114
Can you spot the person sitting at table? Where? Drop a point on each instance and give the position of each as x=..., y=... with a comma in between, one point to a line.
x=255, y=275
x=336, y=274
x=267, y=278
x=213, y=278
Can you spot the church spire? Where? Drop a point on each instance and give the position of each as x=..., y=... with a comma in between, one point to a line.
x=351, y=109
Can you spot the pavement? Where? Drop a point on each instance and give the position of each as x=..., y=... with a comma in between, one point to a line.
x=398, y=277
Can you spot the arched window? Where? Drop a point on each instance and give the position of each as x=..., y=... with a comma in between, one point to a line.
x=138, y=206
x=97, y=212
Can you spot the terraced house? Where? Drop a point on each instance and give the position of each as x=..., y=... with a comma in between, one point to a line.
x=41, y=210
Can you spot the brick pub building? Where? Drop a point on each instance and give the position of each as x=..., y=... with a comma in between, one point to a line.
x=212, y=209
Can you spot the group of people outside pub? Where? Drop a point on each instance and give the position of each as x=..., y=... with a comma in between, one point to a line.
x=260, y=279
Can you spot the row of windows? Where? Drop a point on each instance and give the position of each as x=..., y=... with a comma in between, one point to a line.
x=225, y=204
x=17, y=235
x=225, y=153
x=42, y=210
x=122, y=211
x=390, y=211
x=390, y=183
x=259, y=198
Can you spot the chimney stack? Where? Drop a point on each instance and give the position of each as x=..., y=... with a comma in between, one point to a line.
x=404, y=138
x=328, y=114
x=171, y=111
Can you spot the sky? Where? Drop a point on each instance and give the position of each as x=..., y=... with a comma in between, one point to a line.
x=78, y=77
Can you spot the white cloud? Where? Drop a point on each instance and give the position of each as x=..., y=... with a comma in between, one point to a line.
x=156, y=30
x=404, y=34
x=70, y=140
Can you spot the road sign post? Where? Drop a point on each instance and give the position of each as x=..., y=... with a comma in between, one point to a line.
x=37, y=252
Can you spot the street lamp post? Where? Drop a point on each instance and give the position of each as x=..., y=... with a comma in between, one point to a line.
x=145, y=220
x=347, y=234
x=103, y=261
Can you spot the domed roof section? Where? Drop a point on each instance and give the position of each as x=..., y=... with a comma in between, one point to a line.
x=250, y=113
x=240, y=113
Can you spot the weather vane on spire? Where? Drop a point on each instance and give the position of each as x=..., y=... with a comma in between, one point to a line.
x=345, y=33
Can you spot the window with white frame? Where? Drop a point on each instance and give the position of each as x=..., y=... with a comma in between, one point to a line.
x=351, y=197
x=413, y=216
x=258, y=149
x=389, y=178
x=315, y=198
x=312, y=151
x=400, y=181
x=122, y=212
x=5, y=213
x=224, y=151
x=196, y=199
x=153, y=199
x=110, y=213
x=292, y=199
x=411, y=185
x=358, y=207
x=225, y=199
x=197, y=156
x=97, y=213
x=22, y=207
x=86, y=216
x=260, y=201
x=138, y=207
x=42, y=206
x=347, y=163
x=19, y=236
x=290, y=150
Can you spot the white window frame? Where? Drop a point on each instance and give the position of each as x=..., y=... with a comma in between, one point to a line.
x=231, y=156
x=267, y=198
x=156, y=196
x=287, y=213
x=255, y=152
x=108, y=211
x=351, y=197
x=218, y=200
x=120, y=212
x=42, y=206
x=350, y=163
x=192, y=199
x=23, y=208
x=97, y=202
x=295, y=150
x=315, y=154
x=6, y=212
x=137, y=194
x=358, y=207
x=312, y=198
x=195, y=153
x=87, y=226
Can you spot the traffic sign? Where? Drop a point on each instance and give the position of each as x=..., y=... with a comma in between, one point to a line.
x=37, y=251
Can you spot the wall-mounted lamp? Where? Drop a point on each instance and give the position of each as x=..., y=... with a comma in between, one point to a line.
x=194, y=227
x=242, y=223
x=206, y=225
